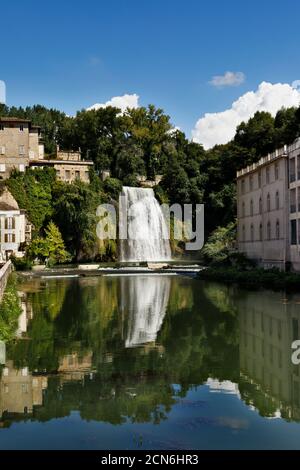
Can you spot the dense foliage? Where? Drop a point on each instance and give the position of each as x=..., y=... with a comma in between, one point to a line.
x=141, y=142
x=10, y=310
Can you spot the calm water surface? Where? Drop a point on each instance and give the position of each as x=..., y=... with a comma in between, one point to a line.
x=150, y=362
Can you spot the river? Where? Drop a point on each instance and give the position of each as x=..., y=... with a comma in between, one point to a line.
x=150, y=362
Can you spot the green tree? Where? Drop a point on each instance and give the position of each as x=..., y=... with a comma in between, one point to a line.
x=51, y=247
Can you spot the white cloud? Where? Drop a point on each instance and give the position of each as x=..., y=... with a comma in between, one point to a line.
x=228, y=79
x=121, y=102
x=219, y=128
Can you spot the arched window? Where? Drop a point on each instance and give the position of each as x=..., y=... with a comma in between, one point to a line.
x=243, y=209
x=268, y=175
x=252, y=232
x=276, y=171
x=260, y=232
x=277, y=229
x=251, y=183
x=277, y=202
x=251, y=207
x=269, y=231
x=260, y=205
x=259, y=179
x=268, y=203
x=243, y=186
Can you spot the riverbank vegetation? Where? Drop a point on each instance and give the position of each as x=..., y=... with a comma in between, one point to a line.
x=253, y=277
x=10, y=310
x=139, y=142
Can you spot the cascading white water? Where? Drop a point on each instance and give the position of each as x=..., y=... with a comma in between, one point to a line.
x=147, y=230
x=144, y=302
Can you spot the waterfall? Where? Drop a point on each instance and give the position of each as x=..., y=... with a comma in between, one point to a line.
x=144, y=302
x=147, y=230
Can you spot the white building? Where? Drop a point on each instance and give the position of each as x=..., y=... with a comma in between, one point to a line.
x=268, y=209
x=12, y=226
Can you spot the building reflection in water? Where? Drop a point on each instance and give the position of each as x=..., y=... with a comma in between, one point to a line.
x=144, y=300
x=269, y=323
x=99, y=361
x=20, y=390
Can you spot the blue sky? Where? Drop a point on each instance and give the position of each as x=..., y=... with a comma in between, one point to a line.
x=71, y=54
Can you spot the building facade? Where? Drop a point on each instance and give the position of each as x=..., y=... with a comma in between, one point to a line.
x=268, y=209
x=68, y=166
x=19, y=143
x=21, y=147
x=12, y=227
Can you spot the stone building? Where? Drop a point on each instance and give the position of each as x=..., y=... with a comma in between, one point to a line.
x=268, y=209
x=68, y=166
x=12, y=226
x=19, y=143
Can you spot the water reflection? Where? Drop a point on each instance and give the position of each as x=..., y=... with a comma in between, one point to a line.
x=144, y=299
x=76, y=350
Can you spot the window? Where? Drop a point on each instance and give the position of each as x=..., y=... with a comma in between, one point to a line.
x=243, y=233
x=292, y=170
x=260, y=232
x=260, y=205
x=268, y=175
x=298, y=166
x=10, y=223
x=21, y=127
x=67, y=174
x=243, y=209
x=251, y=183
x=252, y=233
x=77, y=174
x=298, y=199
x=2, y=149
x=269, y=231
x=268, y=202
x=277, y=200
x=293, y=201
x=293, y=232
x=22, y=167
x=295, y=329
x=9, y=238
x=251, y=207
x=299, y=231
x=276, y=171
x=2, y=167
x=21, y=150
x=243, y=186
x=277, y=230
x=24, y=388
x=259, y=179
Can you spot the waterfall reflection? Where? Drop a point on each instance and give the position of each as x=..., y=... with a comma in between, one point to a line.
x=144, y=299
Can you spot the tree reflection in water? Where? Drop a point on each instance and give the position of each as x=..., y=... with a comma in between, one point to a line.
x=129, y=348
